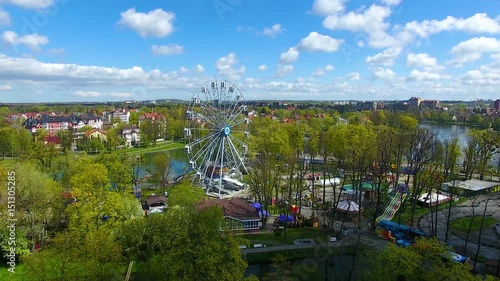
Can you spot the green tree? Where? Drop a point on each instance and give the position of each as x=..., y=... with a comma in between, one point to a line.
x=66, y=137
x=162, y=171
x=427, y=259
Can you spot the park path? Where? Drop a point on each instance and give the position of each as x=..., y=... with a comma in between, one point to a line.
x=490, y=245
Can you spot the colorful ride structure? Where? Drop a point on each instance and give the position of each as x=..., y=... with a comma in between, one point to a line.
x=397, y=200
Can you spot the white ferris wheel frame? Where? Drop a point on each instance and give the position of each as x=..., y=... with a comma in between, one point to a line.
x=217, y=133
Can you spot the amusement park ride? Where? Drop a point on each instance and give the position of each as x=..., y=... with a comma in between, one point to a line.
x=216, y=137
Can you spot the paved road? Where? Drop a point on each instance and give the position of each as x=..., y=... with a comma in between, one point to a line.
x=490, y=246
x=365, y=238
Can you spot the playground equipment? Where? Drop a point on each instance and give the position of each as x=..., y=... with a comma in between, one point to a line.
x=396, y=202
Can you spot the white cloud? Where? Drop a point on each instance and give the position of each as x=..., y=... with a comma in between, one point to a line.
x=391, y=2
x=384, y=73
x=244, y=28
x=5, y=87
x=420, y=60
x=425, y=76
x=315, y=42
x=328, y=7
x=486, y=75
x=262, y=68
x=87, y=94
x=172, y=49
x=284, y=69
x=121, y=95
x=318, y=72
x=289, y=56
x=371, y=21
x=30, y=4
x=4, y=17
x=354, y=76
x=32, y=41
x=57, y=51
x=322, y=71
x=273, y=31
x=226, y=66
x=385, y=58
x=157, y=23
x=199, y=68
x=495, y=56
x=472, y=49
x=478, y=23
x=183, y=69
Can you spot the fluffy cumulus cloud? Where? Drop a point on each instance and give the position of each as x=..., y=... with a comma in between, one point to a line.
x=478, y=23
x=71, y=75
x=384, y=73
x=183, y=69
x=289, y=56
x=87, y=94
x=284, y=69
x=227, y=66
x=32, y=41
x=328, y=7
x=420, y=60
x=199, y=68
x=156, y=23
x=425, y=76
x=273, y=31
x=391, y=2
x=372, y=27
x=322, y=71
x=487, y=75
x=354, y=76
x=472, y=49
x=313, y=42
x=172, y=49
x=371, y=21
x=385, y=58
x=30, y=4
x=4, y=17
x=262, y=68
x=5, y=87
x=121, y=95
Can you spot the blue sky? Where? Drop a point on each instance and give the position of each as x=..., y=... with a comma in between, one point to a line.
x=70, y=50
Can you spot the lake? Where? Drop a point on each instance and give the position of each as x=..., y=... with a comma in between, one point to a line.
x=180, y=163
x=444, y=131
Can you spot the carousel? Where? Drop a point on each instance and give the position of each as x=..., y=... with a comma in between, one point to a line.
x=349, y=210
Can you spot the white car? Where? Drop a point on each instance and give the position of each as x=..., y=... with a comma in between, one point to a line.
x=333, y=239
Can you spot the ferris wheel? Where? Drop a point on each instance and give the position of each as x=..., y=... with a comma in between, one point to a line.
x=217, y=135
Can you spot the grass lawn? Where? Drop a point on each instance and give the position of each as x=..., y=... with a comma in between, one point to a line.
x=463, y=224
x=168, y=145
x=270, y=239
x=420, y=210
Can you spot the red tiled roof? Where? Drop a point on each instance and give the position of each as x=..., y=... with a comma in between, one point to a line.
x=235, y=207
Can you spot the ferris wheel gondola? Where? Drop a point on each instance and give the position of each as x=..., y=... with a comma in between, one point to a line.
x=217, y=134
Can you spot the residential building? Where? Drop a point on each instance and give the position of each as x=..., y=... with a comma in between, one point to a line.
x=120, y=114
x=432, y=104
x=96, y=134
x=414, y=102
x=54, y=123
x=131, y=135
x=154, y=116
